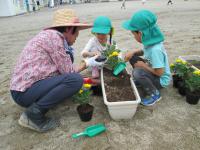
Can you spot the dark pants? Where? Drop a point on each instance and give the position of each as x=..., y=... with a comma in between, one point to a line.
x=149, y=82
x=49, y=92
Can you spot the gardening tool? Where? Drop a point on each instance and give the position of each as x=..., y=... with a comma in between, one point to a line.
x=91, y=131
x=119, y=68
x=88, y=80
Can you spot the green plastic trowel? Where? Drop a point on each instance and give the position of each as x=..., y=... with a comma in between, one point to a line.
x=119, y=68
x=91, y=131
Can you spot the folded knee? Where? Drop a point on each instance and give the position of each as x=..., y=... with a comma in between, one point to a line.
x=74, y=79
x=78, y=79
x=138, y=73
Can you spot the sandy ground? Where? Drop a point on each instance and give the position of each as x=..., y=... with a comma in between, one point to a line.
x=170, y=124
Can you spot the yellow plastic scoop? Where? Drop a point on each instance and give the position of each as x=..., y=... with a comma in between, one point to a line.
x=91, y=131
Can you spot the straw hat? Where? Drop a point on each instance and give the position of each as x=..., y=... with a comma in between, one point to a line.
x=68, y=17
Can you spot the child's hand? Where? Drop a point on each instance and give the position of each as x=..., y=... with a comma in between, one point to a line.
x=95, y=53
x=128, y=55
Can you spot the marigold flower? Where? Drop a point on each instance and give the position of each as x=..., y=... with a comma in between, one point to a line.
x=178, y=60
x=88, y=86
x=172, y=65
x=81, y=91
x=197, y=72
x=184, y=62
x=114, y=54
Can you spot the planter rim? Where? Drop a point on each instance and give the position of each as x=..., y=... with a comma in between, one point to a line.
x=193, y=57
x=121, y=103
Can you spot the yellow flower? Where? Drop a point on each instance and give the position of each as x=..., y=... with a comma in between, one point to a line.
x=88, y=86
x=178, y=60
x=114, y=54
x=81, y=91
x=184, y=62
x=171, y=65
x=197, y=72
x=181, y=61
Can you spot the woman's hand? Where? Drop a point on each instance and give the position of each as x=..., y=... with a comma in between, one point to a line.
x=90, y=54
x=94, y=53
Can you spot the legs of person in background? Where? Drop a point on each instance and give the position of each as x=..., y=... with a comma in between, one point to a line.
x=143, y=2
x=51, y=3
x=170, y=1
x=38, y=4
x=72, y=2
x=123, y=5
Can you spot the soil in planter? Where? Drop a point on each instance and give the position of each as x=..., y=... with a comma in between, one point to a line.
x=118, y=88
x=195, y=63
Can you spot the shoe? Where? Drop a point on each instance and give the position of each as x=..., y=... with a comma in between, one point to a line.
x=151, y=100
x=33, y=118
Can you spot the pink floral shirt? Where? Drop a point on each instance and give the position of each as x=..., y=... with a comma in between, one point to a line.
x=44, y=56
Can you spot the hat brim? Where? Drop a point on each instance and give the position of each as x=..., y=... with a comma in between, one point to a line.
x=81, y=26
x=126, y=25
x=101, y=30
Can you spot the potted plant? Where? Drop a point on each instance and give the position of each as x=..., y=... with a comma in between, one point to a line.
x=112, y=53
x=119, y=92
x=175, y=76
x=193, y=85
x=181, y=71
x=194, y=60
x=85, y=110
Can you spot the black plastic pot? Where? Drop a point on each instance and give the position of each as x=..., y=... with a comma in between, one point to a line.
x=192, y=98
x=181, y=88
x=97, y=90
x=85, y=112
x=176, y=79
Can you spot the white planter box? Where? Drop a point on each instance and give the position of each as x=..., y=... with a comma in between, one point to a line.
x=123, y=109
x=190, y=57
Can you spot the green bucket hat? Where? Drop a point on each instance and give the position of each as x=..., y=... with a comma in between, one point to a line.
x=102, y=25
x=145, y=22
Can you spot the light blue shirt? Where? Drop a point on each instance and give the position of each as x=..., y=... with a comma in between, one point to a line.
x=157, y=57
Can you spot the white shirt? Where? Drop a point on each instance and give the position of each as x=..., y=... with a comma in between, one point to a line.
x=93, y=45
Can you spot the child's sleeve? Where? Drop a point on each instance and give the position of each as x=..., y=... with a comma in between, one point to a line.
x=88, y=46
x=157, y=59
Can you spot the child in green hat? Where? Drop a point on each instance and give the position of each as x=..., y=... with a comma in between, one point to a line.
x=153, y=72
x=102, y=28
